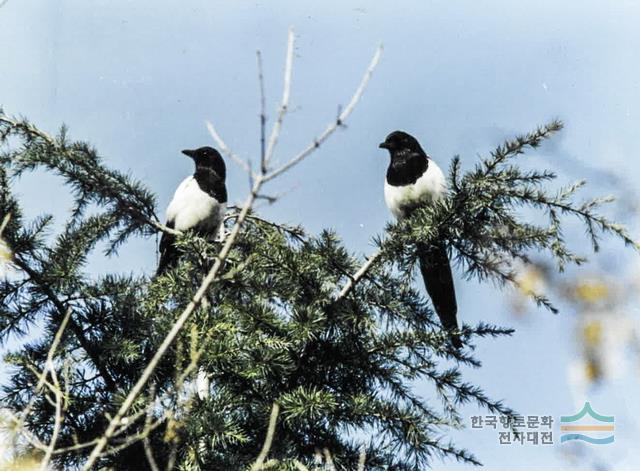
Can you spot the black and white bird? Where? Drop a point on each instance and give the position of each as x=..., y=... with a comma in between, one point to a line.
x=198, y=204
x=413, y=179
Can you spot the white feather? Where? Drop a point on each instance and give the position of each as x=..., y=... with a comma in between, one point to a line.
x=202, y=384
x=191, y=207
x=431, y=186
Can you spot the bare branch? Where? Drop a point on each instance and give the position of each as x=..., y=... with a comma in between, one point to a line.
x=54, y=387
x=284, y=105
x=263, y=114
x=149, y=454
x=362, y=459
x=5, y=221
x=225, y=149
x=299, y=466
x=358, y=275
x=334, y=125
x=145, y=442
x=57, y=425
x=328, y=460
x=266, y=447
x=129, y=440
x=162, y=228
x=48, y=364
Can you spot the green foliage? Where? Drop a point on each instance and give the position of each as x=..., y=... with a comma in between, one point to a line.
x=273, y=328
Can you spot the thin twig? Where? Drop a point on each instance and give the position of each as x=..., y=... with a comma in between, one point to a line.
x=57, y=425
x=173, y=455
x=334, y=125
x=263, y=113
x=129, y=440
x=299, y=466
x=294, y=232
x=54, y=386
x=358, y=275
x=162, y=228
x=284, y=104
x=5, y=221
x=149, y=454
x=268, y=440
x=362, y=459
x=328, y=460
x=226, y=150
x=48, y=362
x=145, y=442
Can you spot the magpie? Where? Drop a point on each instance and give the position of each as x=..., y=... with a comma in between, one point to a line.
x=198, y=204
x=413, y=179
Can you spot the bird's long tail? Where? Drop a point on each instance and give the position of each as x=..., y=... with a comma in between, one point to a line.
x=438, y=280
x=168, y=253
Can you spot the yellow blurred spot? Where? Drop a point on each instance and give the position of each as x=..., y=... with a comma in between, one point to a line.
x=172, y=431
x=530, y=281
x=593, y=371
x=591, y=291
x=592, y=334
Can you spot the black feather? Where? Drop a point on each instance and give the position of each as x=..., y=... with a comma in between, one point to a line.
x=168, y=251
x=438, y=280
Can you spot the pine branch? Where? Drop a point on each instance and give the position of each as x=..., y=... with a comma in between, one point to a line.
x=81, y=167
x=77, y=329
x=517, y=146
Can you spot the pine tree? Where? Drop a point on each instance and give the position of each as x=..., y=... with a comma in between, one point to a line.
x=286, y=324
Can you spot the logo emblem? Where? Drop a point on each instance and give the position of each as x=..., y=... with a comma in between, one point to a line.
x=600, y=432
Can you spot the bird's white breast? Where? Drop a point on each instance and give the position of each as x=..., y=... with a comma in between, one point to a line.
x=192, y=207
x=430, y=187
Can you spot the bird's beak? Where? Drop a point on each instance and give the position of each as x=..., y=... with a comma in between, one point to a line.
x=384, y=145
x=189, y=153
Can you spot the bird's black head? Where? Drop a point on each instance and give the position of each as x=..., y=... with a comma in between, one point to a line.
x=208, y=157
x=408, y=160
x=399, y=141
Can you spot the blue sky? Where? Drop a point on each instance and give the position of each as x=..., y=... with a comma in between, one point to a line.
x=138, y=79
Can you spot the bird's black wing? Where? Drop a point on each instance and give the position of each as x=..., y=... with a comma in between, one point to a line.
x=436, y=272
x=168, y=251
